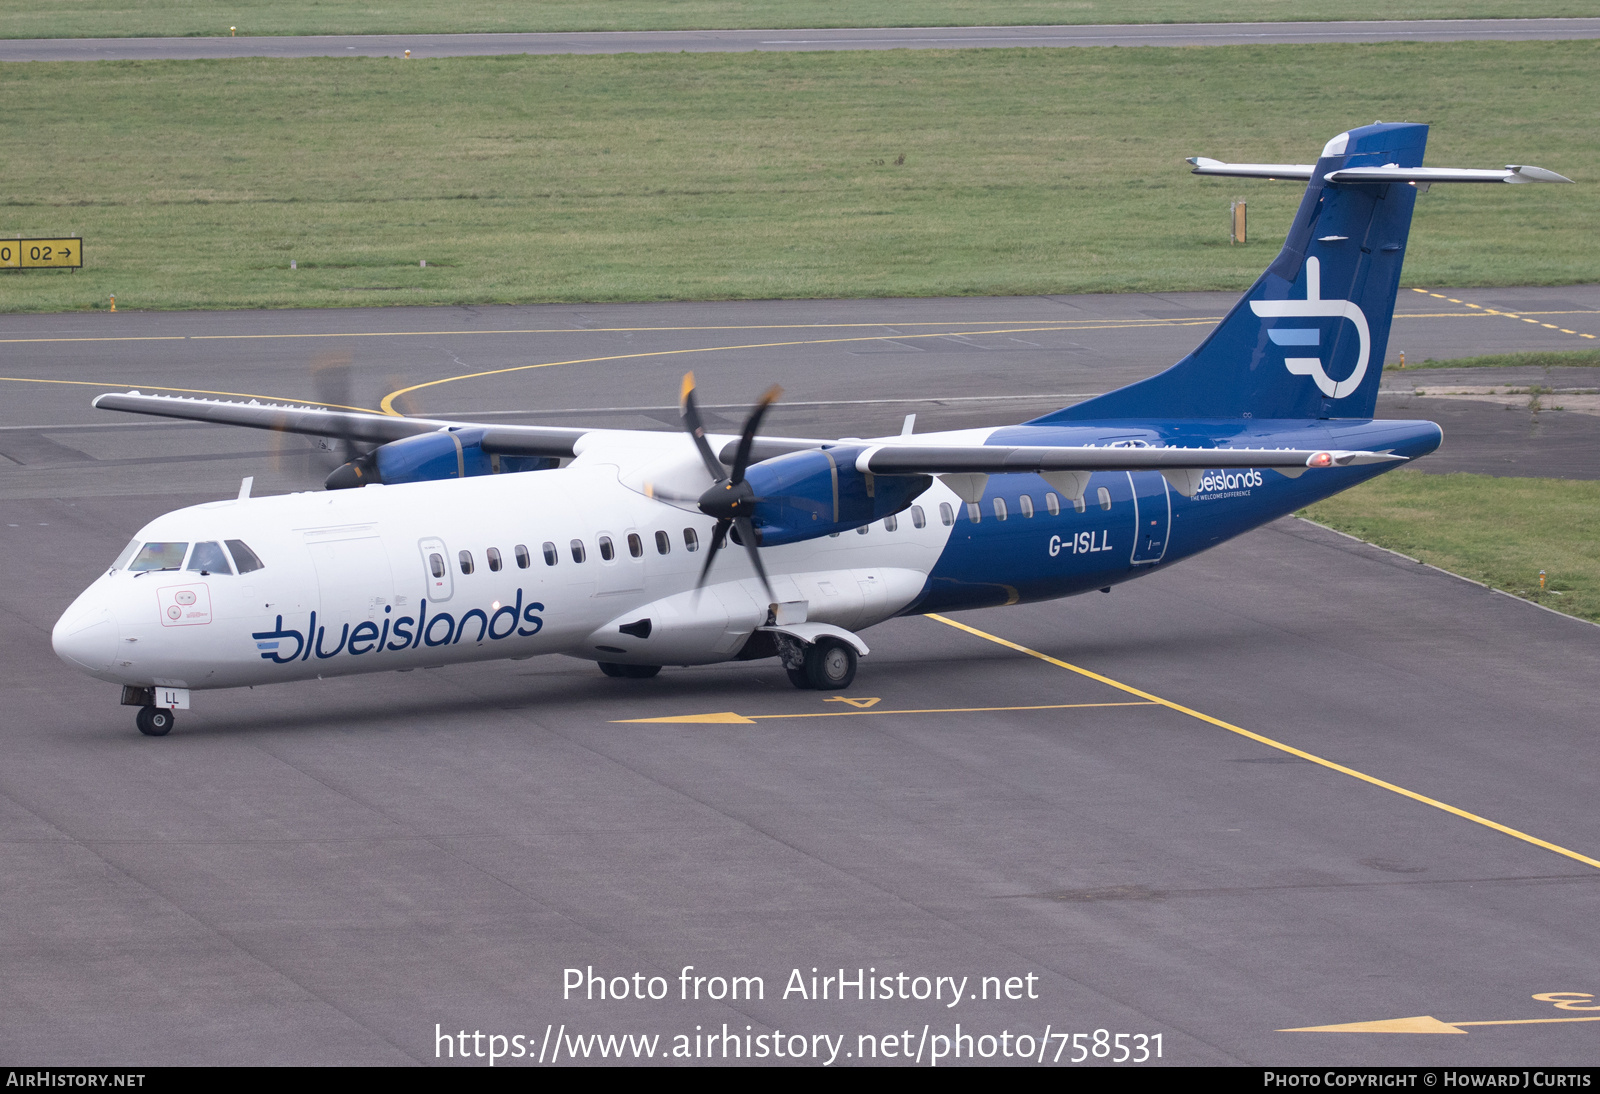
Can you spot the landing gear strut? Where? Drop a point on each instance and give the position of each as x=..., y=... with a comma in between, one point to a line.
x=154, y=721
x=629, y=672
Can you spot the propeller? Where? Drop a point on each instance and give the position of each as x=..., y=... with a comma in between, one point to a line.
x=729, y=498
x=330, y=373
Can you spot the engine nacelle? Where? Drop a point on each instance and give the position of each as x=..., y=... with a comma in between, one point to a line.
x=817, y=492
x=446, y=454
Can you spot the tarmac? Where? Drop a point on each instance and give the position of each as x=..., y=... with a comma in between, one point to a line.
x=347, y=871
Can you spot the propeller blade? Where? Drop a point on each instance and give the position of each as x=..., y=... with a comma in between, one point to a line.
x=651, y=490
x=747, y=533
x=690, y=415
x=742, y=456
x=718, y=535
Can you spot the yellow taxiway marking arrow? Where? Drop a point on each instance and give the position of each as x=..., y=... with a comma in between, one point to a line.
x=1270, y=743
x=1422, y=1023
x=862, y=704
x=728, y=717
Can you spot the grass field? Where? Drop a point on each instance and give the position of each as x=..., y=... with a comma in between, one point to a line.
x=1499, y=531
x=759, y=175
x=180, y=18
x=1582, y=358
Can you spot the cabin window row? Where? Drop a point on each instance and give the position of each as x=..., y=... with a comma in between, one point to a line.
x=633, y=543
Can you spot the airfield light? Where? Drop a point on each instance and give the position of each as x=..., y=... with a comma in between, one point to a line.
x=408, y=53
x=233, y=32
x=1236, y=233
x=1541, y=581
x=113, y=301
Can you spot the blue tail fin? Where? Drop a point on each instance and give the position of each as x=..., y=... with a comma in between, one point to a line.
x=1308, y=339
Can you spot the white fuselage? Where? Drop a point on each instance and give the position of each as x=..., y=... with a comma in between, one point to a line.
x=351, y=580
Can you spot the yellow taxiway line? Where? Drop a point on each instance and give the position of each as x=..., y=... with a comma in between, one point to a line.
x=728, y=717
x=387, y=402
x=1279, y=745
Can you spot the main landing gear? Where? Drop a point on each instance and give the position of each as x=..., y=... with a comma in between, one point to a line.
x=828, y=665
x=154, y=721
x=629, y=672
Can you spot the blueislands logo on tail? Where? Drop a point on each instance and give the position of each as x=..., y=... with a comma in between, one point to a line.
x=1332, y=288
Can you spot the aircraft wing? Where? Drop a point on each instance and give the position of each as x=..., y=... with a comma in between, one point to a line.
x=913, y=459
x=356, y=425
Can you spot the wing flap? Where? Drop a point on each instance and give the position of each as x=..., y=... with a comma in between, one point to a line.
x=1001, y=459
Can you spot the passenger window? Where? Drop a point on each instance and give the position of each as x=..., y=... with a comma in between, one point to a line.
x=1105, y=498
x=1052, y=504
x=209, y=559
x=244, y=559
x=551, y=555
x=493, y=554
x=1025, y=504
x=691, y=541
x=524, y=560
x=635, y=545
x=127, y=553
x=947, y=516
x=974, y=513
x=999, y=508
x=663, y=543
x=1078, y=504
x=891, y=522
x=607, y=552
x=160, y=556
x=465, y=558
x=918, y=518
x=436, y=564
x=578, y=553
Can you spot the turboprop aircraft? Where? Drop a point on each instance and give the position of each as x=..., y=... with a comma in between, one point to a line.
x=458, y=541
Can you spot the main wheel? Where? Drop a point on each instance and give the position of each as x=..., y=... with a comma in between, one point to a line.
x=154, y=721
x=799, y=678
x=831, y=664
x=629, y=672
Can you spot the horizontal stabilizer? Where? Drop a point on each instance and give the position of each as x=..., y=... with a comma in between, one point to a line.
x=1424, y=176
x=1300, y=171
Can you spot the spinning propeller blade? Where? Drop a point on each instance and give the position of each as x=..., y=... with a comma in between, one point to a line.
x=729, y=498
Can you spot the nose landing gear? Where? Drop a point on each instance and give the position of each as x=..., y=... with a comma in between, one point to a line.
x=154, y=721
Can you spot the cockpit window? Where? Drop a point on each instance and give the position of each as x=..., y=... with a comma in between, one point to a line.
x=127, y=553
x=159, y=556
x=208, y=558
x=244, y=557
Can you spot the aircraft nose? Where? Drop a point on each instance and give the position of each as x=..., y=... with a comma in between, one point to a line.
x=86, y=637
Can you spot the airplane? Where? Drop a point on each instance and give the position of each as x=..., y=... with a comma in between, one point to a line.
x=453, y=541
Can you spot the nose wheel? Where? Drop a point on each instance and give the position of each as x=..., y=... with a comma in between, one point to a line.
x=154, y=721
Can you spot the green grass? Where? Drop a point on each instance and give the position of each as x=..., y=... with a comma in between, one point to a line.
x=1582, y=358
x=178, y=18
x=704, y=176
x=1500, y=531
